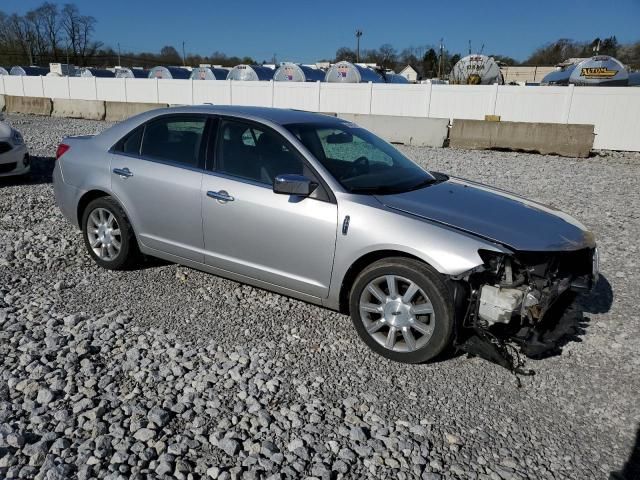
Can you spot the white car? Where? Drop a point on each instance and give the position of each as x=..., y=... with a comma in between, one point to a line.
x=14, y=155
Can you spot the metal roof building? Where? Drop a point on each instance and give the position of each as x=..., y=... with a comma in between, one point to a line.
x=209, y=73
x=347, y=72
x=124, y=72
x=292, y=72
x=169, y=72
x=31, y=71
x=250, y=73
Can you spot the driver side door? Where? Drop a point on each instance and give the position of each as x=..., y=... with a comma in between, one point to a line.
x=282, y=240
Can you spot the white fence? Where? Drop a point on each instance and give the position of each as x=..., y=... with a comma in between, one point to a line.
x=615, y=111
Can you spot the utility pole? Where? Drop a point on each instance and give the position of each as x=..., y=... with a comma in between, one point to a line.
x=440, y=61
x=184, y=61
x=119, y=64
x=358, y=35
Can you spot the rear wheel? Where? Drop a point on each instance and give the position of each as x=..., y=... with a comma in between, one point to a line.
x=108, y=235
x=402, y=310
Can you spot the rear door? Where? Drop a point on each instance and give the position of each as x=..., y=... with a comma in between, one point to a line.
x=156, y=174
x=283, y=240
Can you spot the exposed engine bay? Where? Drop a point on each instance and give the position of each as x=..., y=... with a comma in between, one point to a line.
x=511, y=301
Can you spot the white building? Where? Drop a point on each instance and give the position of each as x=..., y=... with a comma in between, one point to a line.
x=409, y=73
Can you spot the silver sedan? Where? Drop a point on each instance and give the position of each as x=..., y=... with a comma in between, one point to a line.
x=319, y=209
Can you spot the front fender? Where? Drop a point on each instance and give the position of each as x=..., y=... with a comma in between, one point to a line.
x=374, y=228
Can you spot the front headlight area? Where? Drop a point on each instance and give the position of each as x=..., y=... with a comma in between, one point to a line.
x=16, y=138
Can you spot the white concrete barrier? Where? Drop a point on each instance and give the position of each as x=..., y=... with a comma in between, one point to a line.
x=88, y=109
x=117, y=111
x=418, y=131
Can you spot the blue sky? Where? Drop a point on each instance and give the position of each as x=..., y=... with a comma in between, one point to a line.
x=307, y=31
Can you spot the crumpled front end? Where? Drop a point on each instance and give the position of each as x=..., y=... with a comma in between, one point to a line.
x=511, y=298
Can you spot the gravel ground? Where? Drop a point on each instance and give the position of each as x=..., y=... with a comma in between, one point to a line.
x=166, y=371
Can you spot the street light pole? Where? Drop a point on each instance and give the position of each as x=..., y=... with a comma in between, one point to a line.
x=358, y=35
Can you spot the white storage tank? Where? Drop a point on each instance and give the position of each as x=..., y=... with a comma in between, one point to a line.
x=600, y=71
x=250, y=73
x=31, y=71
x=169, y=72
x=347, y=72
x=292, y=72
x=96, y=72
x=559, y=77
x=209, y=73
x=3, y=71
x=476, y=70
x=125, y=72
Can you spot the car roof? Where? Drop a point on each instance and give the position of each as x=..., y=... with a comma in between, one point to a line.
x=275, y=116
x=281, y=116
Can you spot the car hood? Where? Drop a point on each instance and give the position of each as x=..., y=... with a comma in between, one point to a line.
x=493, y=214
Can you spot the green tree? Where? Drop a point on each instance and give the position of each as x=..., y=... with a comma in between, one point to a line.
x=430, y=64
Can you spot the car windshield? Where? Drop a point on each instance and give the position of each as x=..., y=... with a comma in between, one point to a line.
x=359, y=160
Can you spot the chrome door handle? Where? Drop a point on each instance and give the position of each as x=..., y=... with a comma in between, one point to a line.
x=222, y=196
x=123, y=172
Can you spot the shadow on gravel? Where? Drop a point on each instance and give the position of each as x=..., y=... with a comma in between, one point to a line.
x=566, y=321
x=600, y=299
x=631, y=469
x=41, y=172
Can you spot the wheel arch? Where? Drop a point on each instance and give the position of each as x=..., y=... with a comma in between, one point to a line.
x=359, y=265
x=87, y=198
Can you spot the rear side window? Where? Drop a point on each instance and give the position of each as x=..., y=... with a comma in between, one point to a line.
x=176, y=139
x=131, y=143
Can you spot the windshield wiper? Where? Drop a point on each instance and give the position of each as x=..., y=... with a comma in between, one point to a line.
x=380, y=190
x=422, y=184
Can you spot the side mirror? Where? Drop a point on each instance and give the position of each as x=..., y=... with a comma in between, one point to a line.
x=292, y=184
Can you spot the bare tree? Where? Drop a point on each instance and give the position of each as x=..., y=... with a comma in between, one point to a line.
x=78, y=30
x=345, y=53
x=35, y=25
x=20, y=31
x=169, y=55
x=387, y=56
x=52, y=27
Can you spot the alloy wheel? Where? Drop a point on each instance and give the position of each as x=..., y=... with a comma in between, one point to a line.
x=397, y=313
x=103, y=233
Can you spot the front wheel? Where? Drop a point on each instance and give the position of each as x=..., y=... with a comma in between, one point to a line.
x=108, y=235
x=402, y=310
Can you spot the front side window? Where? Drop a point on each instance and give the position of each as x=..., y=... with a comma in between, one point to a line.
x=175, y=139
x=252, y=153
x=359, y=160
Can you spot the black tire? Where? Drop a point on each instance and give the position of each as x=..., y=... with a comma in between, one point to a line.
x=129, y=254
x=427, y=279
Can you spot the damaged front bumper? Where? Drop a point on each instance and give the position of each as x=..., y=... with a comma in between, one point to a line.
x=517, y=298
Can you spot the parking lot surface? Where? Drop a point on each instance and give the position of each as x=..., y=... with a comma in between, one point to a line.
x=167, y=371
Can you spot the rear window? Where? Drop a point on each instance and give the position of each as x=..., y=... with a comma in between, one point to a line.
x=176, y=139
